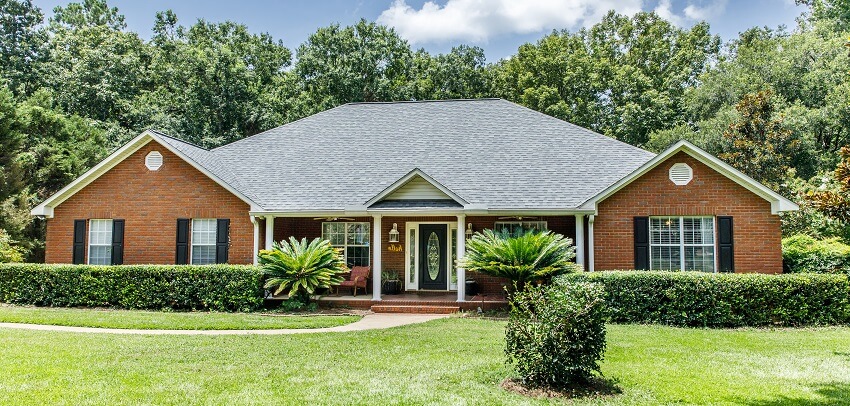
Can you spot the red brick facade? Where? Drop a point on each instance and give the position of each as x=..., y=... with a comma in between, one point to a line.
x=757, y=246
x=150, y=202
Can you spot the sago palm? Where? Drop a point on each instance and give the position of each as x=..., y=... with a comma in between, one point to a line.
x=522, y=259
x=301, y=267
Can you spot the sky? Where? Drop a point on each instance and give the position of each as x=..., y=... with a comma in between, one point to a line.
x=497, y=26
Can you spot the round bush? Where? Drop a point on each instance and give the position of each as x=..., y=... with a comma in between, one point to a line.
x=556, y=334
x=802, y=253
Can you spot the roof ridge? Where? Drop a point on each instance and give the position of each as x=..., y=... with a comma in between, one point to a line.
x=425, y=101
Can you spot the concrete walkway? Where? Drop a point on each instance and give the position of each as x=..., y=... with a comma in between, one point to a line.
x=368, y=322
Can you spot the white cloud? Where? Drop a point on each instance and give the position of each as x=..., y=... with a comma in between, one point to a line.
x=704, y=12
x=480, y=20
x=664, y=9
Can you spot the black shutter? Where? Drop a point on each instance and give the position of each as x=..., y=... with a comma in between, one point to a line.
x=725, y=244
x=222, y=240
x=79, y=256
x=641, y=242
x=117, y=242
x=182, y=242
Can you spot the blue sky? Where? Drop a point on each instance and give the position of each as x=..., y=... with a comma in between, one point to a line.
x=498, y=26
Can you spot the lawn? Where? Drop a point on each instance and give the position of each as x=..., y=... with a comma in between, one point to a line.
x=147, y=320
x=447, y=361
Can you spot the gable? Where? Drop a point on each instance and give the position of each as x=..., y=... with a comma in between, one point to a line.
x=654, y=177
x=143, y=142
x=418, y=188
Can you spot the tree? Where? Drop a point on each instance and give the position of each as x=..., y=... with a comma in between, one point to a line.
x=460, y=74
x=364, y=62
x=22, y=41
x=625, y=77
x=760, y=146
x=833, y=199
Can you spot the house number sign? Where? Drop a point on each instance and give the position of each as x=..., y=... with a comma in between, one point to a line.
x=395, y=248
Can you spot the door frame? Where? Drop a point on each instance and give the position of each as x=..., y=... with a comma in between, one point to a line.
x=411, y=280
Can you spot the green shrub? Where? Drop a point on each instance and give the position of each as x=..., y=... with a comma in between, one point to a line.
x=522, y=259
x=299, y=267
x=556, y=333
x=698, y=299
x=179, y=287
x=802, y=253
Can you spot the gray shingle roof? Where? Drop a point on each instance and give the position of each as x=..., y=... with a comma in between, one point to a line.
x=493, y=153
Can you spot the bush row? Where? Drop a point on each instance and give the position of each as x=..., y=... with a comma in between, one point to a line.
x=802, y=253
x=698, y=299
x=178, y=287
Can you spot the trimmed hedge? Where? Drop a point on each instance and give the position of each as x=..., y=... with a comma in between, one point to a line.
x=696, y=299
x=178, y=287
x=802, y=253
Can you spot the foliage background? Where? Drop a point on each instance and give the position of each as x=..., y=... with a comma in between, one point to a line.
x=773, y=102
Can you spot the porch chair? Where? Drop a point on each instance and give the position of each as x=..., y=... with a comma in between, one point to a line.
x=357, y=278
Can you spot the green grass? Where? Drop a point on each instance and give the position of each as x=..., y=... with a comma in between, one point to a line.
x=447, y=361
x=147, y=320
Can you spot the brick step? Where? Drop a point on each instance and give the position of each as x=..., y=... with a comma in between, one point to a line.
x=390, y=308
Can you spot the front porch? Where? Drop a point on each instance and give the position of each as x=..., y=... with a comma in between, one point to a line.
x=422, y=251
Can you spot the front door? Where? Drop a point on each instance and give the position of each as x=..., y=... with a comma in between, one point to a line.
x=433, y=249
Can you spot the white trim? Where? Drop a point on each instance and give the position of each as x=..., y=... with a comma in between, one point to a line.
x=376, y=258
x=269, y=232
x=590, y=256
x=406, y=178
x=362, y=212
x=460, y=231
x=256, y=225
x=45, y=209
x=681, y=244
x=192, y=238
x=89, y=240
x=777, y=202
x=579, y=242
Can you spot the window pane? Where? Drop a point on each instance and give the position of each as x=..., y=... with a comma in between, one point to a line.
x=699, y=230
x=203, y=254
x=452, y=273
x=334, y=232
x=664, y=230
x=100, y=255
x=699, y=259
x=412, y=253
x=665, y=258
x=357, y=256
x=358, y=234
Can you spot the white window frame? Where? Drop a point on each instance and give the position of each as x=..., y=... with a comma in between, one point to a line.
x=193, y=244
x=345, y=245
x=411, y=254
x=682, y=245
x=91, y=244
x=499, y=224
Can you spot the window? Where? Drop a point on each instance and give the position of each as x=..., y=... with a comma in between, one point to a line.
x=100, y=242
x=517, y=228
x=685, y=243
x=352, y=238
x=203, y=241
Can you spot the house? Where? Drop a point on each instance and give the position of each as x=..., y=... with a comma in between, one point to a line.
x=398, y=186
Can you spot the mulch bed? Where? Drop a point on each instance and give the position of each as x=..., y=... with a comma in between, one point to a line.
x=596, y=388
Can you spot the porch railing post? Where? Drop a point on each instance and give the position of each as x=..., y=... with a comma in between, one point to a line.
x=461, y=250
x=376, y=257
x=269, y=232
x=579, y=242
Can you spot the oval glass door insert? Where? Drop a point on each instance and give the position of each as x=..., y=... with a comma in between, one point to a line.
x=433, y=256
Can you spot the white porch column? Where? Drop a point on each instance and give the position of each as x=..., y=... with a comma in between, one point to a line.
x=376, y=257
x=256, y=238
x=461, y=250
x=590, y=243
x=269, y=232
x=580, y=240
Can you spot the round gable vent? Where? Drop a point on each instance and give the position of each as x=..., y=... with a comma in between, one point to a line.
x=154, y=160
x=681, y=174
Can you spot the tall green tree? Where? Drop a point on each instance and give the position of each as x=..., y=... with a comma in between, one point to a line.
x=460, y=74
x=22, y=40
x=364, y=62
x=625, y=76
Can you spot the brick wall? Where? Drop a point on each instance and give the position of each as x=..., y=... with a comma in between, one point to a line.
x=756, y=231
x=396, y=260
x=150, y=202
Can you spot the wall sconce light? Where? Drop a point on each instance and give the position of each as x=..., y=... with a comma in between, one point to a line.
x=394, y=233
x=469, y=231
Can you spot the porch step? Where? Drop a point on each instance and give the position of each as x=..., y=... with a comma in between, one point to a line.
x=420, y=309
